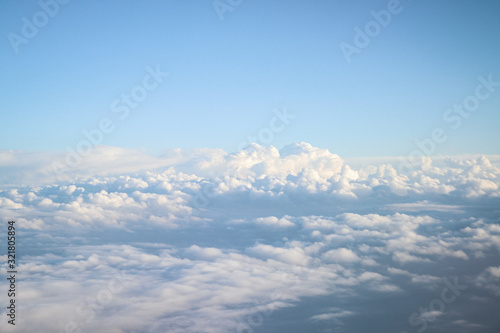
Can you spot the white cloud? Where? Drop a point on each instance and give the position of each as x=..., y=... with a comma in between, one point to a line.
x=207, y=238
x=424, y=205
x=274, y=221
x=405, y=257
x=341, y=255
x=494, y=271
x=204, y=253
x=332, y=315
x=294, y=255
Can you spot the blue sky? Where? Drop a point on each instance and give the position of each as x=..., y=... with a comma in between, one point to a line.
x=226, y=76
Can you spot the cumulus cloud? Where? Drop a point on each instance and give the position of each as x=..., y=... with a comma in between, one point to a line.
x=334, y=316
x=274, y=221
x=340, y=255
x=206, y=240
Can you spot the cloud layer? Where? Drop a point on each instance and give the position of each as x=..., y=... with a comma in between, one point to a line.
x=208, y=241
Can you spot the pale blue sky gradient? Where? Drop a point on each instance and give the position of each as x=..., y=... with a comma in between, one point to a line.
x=225, y=77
